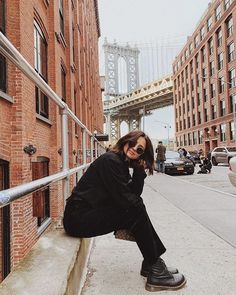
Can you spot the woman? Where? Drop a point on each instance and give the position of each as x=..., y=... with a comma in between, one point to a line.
x=107, y=199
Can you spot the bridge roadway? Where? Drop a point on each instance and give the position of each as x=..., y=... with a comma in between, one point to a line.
x=196, y=219
x=157, y=94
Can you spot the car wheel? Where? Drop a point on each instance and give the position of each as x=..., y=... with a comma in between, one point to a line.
x=190, y=173
x=214, y=162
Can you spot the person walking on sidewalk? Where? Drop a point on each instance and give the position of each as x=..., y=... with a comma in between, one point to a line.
x=161, y=157
x=108, y=199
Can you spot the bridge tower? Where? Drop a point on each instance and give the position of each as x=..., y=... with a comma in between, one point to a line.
x=115, y=56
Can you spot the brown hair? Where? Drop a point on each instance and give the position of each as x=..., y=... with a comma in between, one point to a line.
x=133, y=136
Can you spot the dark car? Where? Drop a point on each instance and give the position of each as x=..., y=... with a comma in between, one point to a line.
x=176, y=165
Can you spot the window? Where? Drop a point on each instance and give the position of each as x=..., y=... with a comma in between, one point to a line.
x=188, y=121
x=232, y=103
x=232, y=78
x=61, y=16
x=2, y=16
x=218, y=12
x=229, y=26
x=193, y=104
x=195, y=137
x=209, y=23
x=40, y=65
x=212, y=68
x=213, y=112
x=41, y=208
x=204, y=72
x=194, y=120
x=231, y=129
x=222, y=107
x=204, y=94
x=210, y=46
x=189, y=139
x=63, y=84
x=200, y=136
x=222, y=132
x=199, y=117
x=196, y=40
x=220, y=61
x=3, y=70
x=221, y=84
x=219, y=37
x=202, y=33
x=228, y=3
x=205, y=114
x=213, y=90
x=203, y=51
x=231, y=54
x=190, y=48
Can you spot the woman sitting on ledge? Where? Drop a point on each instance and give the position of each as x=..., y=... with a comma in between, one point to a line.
x=108, y=199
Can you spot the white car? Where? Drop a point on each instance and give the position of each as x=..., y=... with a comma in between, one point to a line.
x=232, y=173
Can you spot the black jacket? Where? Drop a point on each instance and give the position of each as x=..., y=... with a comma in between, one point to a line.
x=107, y=181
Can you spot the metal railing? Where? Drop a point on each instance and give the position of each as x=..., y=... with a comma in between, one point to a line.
x=12, y=194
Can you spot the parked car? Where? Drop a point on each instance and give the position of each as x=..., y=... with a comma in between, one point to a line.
x=222, y=154
x=176, y=165
x=232, y=173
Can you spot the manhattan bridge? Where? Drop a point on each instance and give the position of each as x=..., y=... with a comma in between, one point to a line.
x=137, y=81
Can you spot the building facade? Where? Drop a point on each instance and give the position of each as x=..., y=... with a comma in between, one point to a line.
x=205, y=81
x=60, y=40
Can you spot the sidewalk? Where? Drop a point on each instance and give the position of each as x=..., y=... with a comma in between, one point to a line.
x=188, y=218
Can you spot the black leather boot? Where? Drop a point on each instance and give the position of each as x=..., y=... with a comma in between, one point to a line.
x=159, y=278
x=146, y=267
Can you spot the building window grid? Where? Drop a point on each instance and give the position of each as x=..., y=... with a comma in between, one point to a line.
x=231, y=128
x=222, y=132
x=213, y=112
x=209, y=23
x=61, y=16
x=232, y=75
x=3, y=67
x=222, y=107
x=229, y=26
x=210, y=46
x=218, y=12
x=228, y=3
x=220, y=61
x=40, y=64
x=212, y=68
x=221, y=84
x=213, y=90
x=232, y=103
x=219, y=37
x=231, y=52
x=202, y=33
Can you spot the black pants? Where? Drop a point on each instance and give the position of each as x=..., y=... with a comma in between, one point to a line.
x=81, y=220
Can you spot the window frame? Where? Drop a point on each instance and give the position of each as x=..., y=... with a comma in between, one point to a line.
x=41, y=67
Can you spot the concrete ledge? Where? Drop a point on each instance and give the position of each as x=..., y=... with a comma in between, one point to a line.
x=56, y=265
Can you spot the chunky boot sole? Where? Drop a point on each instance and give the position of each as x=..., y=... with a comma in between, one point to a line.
x=154, y=288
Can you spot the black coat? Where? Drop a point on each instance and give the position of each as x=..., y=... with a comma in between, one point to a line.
x=107, y=182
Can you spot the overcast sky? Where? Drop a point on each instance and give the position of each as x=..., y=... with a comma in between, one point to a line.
x=142, y=21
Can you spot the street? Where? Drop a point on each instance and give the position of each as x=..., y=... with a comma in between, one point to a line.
x=195, y=216
x=217, y=179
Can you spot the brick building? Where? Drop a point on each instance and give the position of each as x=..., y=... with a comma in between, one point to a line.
x=205, y=83
x=60, y=40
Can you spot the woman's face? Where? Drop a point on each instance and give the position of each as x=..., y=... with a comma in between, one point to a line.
x=134, y=150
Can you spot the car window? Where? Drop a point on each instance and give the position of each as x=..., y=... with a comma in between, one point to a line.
x=172, y=155
x=231, y=148
x=218, y=150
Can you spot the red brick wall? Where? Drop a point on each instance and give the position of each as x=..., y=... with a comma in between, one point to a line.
x=19, y=125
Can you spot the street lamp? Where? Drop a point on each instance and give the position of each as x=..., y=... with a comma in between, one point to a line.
x=167, y=126
x=234, y=100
